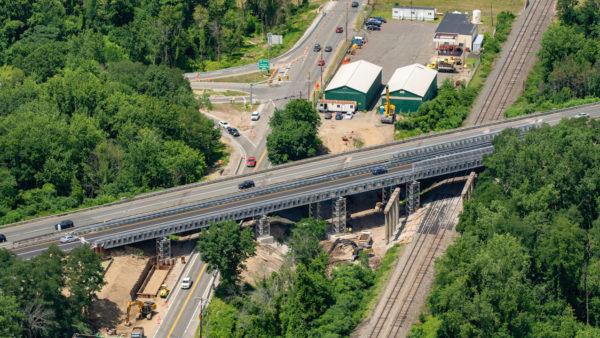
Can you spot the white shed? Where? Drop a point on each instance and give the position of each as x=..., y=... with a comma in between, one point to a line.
x=477, y=43
x=413, y=13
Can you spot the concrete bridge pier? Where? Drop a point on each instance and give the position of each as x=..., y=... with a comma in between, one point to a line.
x=413, y=195
x=263, y=230
x=392, y=214
x=469, y=185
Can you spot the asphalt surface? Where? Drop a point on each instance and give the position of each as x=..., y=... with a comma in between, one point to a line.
x=184, y=304
x=307, y=169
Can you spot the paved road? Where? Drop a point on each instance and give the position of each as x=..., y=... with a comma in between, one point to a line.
x=308, y=168
x=184, y=305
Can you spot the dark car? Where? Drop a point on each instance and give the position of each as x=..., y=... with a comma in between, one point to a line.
x=317, y=47
x=373, y=22
x=379, y=171
x=67, y=223
x=233, y=131
x=2, y=238
x=321, y=63
x=339, y=29
x=373, y=28
x=338, y=116
x=380, y=18
x=246, y=184
x=354, y=3
x=328, y=116
x=328, y=49
x=251, y=162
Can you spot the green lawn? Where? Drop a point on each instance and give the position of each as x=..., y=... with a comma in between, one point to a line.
x=246, y=78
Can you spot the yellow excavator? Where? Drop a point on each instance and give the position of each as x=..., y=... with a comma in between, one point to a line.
x=144, y=309
x=389, y=110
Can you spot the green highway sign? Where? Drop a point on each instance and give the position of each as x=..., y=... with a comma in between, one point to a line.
x=263, y=65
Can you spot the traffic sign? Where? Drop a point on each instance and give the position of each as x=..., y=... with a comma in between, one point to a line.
x=263, y=65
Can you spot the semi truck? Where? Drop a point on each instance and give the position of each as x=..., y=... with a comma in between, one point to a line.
x=334, y=106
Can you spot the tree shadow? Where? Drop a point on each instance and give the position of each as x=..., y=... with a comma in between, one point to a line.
x=104, y=314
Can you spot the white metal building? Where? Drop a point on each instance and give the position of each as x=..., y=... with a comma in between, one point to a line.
x=413, y=13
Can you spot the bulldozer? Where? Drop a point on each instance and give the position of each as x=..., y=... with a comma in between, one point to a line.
x=164, y=291
x=389, y=110
x=144, y=309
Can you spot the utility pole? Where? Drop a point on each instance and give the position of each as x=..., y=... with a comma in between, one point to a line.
x=411, y=10
x=200, y=315
x=308, y=87
x=346, y=21
x=492, y=11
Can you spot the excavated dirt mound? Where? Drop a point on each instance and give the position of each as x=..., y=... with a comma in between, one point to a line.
x=268, y=259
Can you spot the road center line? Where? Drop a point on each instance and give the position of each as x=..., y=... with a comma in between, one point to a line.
x=196, y=282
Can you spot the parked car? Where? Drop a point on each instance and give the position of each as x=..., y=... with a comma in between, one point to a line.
x=317, y=47
x=339, y=29
x=338, y=116
x=246, y=184
x=380, y=18
x=64, y=224
x=349, y=116
x=233, y=131
x=251, y=162
x=582, y=115
x=255, y=116
x=373, y=28
x=328, y=49
x=223, y=124
x=69, y=238
x=379, y=171
x=186, y=283
x=328, y=116
x=321, y=62
x=2, y=238
x=354, y=3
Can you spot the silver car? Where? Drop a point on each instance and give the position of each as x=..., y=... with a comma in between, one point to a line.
x=69, y=238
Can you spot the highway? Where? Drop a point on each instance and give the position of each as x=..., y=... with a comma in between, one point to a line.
x=297, y=171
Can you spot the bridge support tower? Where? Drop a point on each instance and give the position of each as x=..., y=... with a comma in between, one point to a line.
x=392, y=214
x=263, y=230
x=314, y=210
x=163, y=250
x=413, y=195
x=339, y=216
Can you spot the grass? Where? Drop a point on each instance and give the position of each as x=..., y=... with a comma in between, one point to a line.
x=246, y=78
x=220, y=93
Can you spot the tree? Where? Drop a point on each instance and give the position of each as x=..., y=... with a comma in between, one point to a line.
x=305, y=239
x=11, y=318
x=85, y=277
x=224, y=246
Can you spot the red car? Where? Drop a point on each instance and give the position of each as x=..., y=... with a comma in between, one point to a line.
x=251, y=162
x=321, y=63
x=339, y=30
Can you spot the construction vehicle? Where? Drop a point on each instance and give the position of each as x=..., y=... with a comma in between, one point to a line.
x=446, y=65
x=365, y=238
x=144, y=309
x=164, y=292
x=137, y=332
x=389, y=110
x=432, y=65
x=357, y=248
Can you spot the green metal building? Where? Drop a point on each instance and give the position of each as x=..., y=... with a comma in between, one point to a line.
x=410, y=86
x=358, y=81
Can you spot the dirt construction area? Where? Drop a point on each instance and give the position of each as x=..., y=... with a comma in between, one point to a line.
x=363, y=130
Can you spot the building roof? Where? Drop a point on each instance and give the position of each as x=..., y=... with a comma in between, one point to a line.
x=456, y=23
x=357, y=75
x=414, y=7
x=415, y=79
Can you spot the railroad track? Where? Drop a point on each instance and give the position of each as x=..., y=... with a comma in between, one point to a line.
x=498, y=98
x=386, y=316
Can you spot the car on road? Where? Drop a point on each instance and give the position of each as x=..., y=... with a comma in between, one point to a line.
x=223, y=124
x=328, y=49
x=321, y=63
x=251, y=162
x=349, y=115
x=64, y=224
x=255, y=116
x=233, y=131
x=373, y=28
x=338, y=116
x=2, y=238
x=339, y=29
x=380, y=18
x=186, y=283
x=246, y=184
x=354, y=3
x=317, y=47
x=582, y=115
x=379, y=171
x=328, y=116
x=69, y=238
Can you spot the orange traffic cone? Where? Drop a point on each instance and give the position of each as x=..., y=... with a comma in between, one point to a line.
x=158, y=319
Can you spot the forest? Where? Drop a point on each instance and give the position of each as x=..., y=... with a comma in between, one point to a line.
x=49, y=295
x=527, y=263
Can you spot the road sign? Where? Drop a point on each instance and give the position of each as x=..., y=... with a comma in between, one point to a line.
x=263, y=65
x=274, y=39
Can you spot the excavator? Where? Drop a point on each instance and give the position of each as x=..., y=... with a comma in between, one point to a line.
x=145, y=309
x=389, y=110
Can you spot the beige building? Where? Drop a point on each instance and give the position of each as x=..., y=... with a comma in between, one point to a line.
x=455, y=34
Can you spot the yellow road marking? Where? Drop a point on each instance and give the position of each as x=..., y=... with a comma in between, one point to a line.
x=214, y=206
x=187, y=300
x=260, y=159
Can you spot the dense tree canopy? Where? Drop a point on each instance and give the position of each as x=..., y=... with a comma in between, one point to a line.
x=527, y=261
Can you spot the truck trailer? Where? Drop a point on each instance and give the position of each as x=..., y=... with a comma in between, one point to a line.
x=335, y=106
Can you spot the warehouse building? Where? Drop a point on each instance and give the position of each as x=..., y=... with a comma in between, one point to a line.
x=454, y=34
x=358, y=81
x=410, y=86
x=413, y=13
